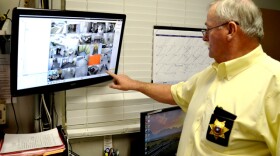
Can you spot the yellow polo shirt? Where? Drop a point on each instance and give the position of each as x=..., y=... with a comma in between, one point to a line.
x=248, y=87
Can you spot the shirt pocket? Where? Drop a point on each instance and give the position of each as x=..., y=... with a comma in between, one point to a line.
x=215, y=136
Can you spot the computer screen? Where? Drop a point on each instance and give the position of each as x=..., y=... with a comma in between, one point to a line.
x=54, y=50
x=160, y=131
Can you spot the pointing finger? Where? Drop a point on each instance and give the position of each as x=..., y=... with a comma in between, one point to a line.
x=111, y=73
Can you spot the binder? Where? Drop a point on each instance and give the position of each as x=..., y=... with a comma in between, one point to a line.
x=51, y=142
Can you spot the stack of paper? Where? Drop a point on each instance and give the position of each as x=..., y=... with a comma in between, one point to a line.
x=42, y=143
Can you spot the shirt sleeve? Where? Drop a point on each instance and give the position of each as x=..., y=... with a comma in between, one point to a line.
x=182, y=92
x=271, y=120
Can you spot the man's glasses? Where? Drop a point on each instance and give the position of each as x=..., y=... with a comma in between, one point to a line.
x=206, y=31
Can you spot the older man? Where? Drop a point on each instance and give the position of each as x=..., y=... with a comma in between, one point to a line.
x=233, y=106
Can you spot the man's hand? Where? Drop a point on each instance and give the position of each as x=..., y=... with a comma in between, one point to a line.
x=158, y=92
x=122, y=82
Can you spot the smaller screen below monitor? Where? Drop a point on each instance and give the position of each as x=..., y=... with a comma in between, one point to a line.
x=161, y=131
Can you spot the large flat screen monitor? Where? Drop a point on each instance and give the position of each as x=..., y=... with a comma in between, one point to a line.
x=54, y=50
x=160, y=131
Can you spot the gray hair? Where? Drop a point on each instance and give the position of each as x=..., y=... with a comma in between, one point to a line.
x=244, y=12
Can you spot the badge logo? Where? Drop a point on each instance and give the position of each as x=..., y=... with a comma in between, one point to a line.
x=218, y=129
x=220, y=126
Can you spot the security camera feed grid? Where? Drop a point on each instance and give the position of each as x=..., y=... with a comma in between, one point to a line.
x=79, y=49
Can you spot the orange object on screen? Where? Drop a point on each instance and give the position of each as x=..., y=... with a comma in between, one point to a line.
x=94, y=59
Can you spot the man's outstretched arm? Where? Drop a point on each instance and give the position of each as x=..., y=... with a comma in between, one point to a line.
x=158, y=92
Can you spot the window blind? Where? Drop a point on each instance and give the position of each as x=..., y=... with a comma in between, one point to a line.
x=98, y=110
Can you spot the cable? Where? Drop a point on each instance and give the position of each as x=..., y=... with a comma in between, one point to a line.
x=55, y=112
x=15, y=114
x=5, y=36
x=70, y=146
x=39, y=120
x=71, y=152
x=40, y=116
x=47, y=111
x=19, y=3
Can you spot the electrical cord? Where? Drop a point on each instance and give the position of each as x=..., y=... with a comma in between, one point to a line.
x=72, y=153
x=40, y=117
x=46, y=110
x=55, y=112
x=15, y=114
x=3, y=19
x=5, y=36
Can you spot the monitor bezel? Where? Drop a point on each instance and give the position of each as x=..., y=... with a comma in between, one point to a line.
x=17, y=12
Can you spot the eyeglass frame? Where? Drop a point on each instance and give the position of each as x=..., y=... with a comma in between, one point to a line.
x=206, y=31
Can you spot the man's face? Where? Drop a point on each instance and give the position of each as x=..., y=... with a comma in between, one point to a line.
x=216, y=37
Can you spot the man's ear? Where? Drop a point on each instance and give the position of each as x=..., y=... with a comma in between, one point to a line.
x=232, y=30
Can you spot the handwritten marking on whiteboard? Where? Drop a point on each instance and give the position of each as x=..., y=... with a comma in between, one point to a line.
x=177, y=55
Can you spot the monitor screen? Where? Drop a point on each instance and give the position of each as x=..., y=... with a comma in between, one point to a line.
x=161, y=130
x=54, y=50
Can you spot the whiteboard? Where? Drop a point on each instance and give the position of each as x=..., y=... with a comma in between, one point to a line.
x=178, y=53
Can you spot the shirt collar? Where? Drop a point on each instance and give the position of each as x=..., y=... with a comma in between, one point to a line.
x=229, y=69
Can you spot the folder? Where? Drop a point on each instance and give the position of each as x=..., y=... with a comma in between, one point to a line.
x=44, y=143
